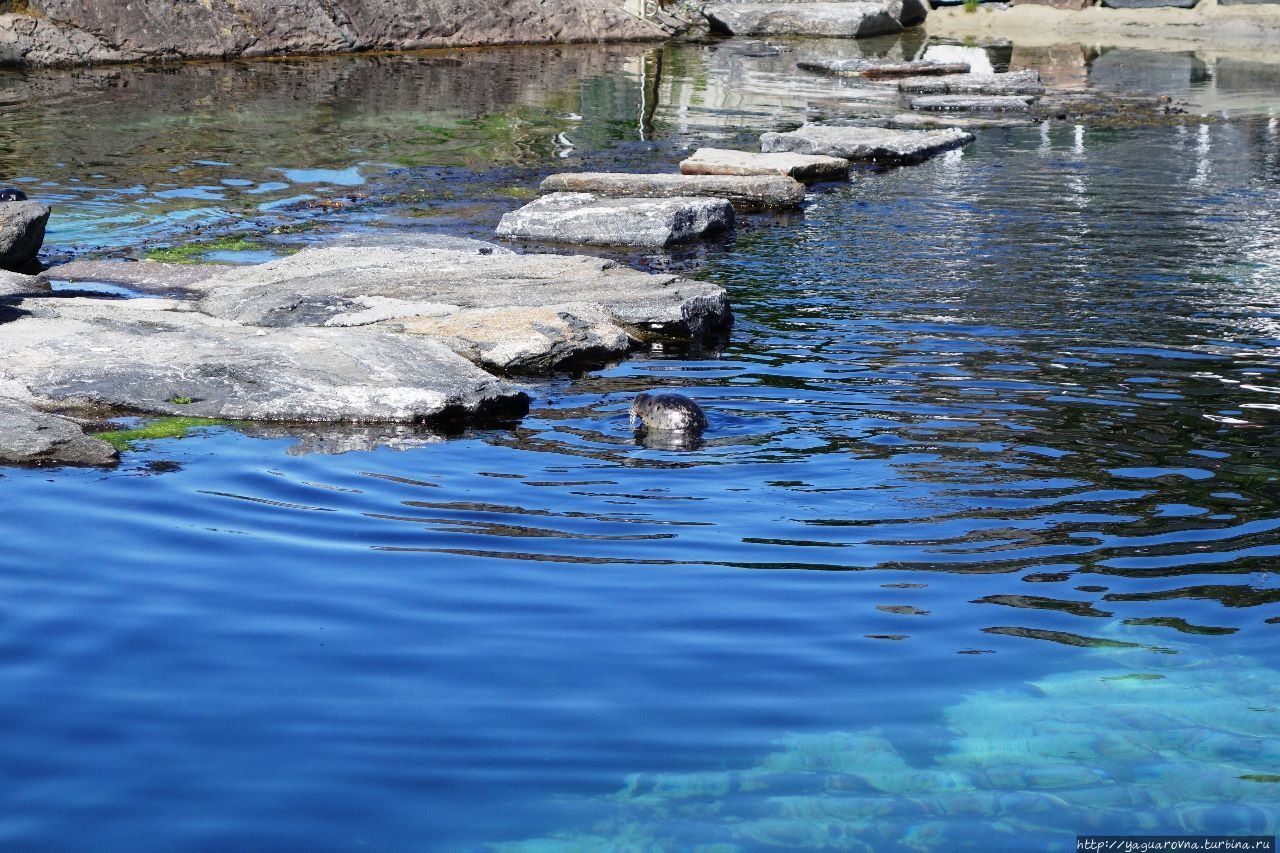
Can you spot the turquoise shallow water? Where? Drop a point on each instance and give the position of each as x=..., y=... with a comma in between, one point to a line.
x=979, y=551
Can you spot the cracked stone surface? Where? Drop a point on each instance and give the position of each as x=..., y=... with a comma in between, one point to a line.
x=806, y=168
x=873, y=144
x=745, y=192
x=1026, y=82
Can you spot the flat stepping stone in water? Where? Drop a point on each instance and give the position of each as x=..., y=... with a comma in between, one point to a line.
x=924, y=120
x=973, y=103
x=807, y=168
x=1026, y=82
x=839, y=20
x=588, y=219
x=751, y=192
x=871, y=144
x=872, y=68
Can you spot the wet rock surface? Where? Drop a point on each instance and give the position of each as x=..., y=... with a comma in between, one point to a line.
x=744, y=192
x=151, y=277
x=29, y=436
x=584, y=218
x=913, y=121
x=839, y=20
x=973, y=103
x=872, y=144
x=806, y=168
x=1025, y=82
x=872, y=68
x=22, y=226
x=70, y=32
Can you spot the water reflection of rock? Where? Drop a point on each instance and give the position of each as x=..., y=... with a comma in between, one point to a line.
x=1139, y=743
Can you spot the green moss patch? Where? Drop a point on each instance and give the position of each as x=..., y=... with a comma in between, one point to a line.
x=125, y=439
x=194, y=253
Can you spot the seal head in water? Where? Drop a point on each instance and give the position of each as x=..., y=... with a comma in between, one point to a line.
x=667, y=413
x=12, y=194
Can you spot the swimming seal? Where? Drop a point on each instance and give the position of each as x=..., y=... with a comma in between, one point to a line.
x=12, y=194
x=667, y=413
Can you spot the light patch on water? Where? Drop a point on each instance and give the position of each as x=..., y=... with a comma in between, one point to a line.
x=1143, y=744
x=349, y=177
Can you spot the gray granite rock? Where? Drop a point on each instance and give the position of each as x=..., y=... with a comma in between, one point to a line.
x=444, y=283
x=143, y=355
x=745, y=193
x=805, y=168
x=873, y=144
x=21, y=233
x=150, y=277
x=878, y=68
x=17, y=284
x=973, y=103
x=1025, y=82
x=61, y=32
x=29, y=436
x=929, y=122
x=583, y=218
x=831, y=19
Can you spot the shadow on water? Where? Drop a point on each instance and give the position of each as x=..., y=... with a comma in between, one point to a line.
x=985, y=515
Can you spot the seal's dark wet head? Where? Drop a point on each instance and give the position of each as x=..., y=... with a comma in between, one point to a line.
x=667, y=413
x=12, y=194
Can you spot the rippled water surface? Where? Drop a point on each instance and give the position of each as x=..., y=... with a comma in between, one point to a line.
x=979, y=549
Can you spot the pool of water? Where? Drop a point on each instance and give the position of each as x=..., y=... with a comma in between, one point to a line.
x=979, y=550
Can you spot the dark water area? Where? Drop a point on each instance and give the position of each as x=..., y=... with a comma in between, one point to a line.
x=979, y=551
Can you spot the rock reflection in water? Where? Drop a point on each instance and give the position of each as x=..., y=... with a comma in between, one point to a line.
x=1136, y=744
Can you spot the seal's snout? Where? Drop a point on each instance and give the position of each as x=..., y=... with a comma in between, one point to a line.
x=667, y=413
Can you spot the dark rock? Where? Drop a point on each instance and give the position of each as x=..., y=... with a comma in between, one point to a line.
x=21, y=233
x=31, y=437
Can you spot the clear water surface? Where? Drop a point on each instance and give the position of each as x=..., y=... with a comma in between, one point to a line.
x=979, y=551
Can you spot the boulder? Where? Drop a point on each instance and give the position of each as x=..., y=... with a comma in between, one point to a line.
x=973, y=103
x=745, y=193
x=29, y=436
x=877, y=68
x=872, y=144
x=806, y=168
x=583, y=218
x=61, y=32
x=839, y=20
x=21, y=233
x=1025, y=82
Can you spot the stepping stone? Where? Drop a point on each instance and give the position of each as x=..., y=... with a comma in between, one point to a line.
x=21, y=232
x=873, y=144
x=839, y=20
x=808, y=168
x=1026, y=82
x=872, y=68
x=973, y=103
x=584, y=218
x=924, y=120
x=751, y=192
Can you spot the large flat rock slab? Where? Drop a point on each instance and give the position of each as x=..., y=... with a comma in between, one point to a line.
x=22, y=226
x=744, y=192
x=832, y=20
x=146, y=356
x=1025, y=82
x=869, y=144
x=17, y=284
x=150, y=277
x=509, y=312
x=878, y=68
x=29, y=436
x=806, y=168
x=588, y=219
x=973, y=103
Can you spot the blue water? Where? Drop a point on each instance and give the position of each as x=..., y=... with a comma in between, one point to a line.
x=979, y=421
